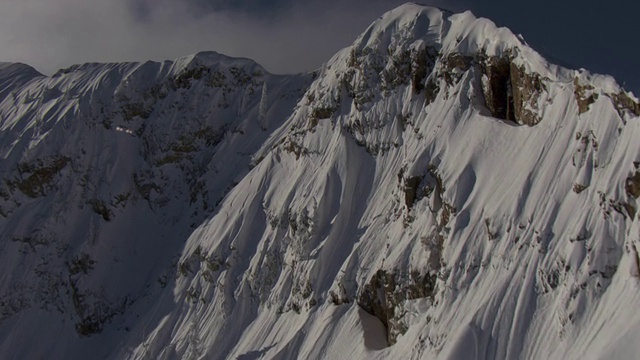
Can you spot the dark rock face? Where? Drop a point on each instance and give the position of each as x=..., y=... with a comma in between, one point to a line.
x=623, y=103
x=422, y=186
x=36, y=179
x=510, y=92
x=454, y=66
x=422, y=63
x=497, y=90
x=632, y=185
x=386, y=291
x=431, y=91
x=582, y=98
x=527, y=89
x=411, y=190
x=458, y=61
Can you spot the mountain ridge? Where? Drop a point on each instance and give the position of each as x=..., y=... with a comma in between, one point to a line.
x=423, y=194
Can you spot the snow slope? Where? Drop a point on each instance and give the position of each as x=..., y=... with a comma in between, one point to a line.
x=106, y=170
x=438, y=191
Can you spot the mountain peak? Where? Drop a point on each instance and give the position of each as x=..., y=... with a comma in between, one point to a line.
x=437, y=187
x=212, y=59
x=460, y=33
x=15, y=74
x=407, y=22
x=423, y=45
x=443, y=29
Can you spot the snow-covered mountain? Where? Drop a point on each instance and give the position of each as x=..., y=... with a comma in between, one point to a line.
x=436, y=190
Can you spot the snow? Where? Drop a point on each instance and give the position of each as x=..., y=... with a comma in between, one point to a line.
x=260, y=207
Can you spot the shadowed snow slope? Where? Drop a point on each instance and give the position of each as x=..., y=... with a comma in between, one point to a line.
x=436, y=190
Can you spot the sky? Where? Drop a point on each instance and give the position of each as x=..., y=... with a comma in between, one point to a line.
x=287, y=36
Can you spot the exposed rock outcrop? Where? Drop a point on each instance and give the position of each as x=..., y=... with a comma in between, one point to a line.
x=632, y=185
x=584, y=96
x=510, y=92
x=496, y=87
x=527, y=89
x=624, y=102
x=422, y=63
x=386, y=292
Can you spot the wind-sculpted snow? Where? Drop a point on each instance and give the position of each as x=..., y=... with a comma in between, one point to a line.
x=106, y=169
x=438, y=191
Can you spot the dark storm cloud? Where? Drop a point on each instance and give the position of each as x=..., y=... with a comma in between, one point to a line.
x=283, y=35
x=290, y=36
